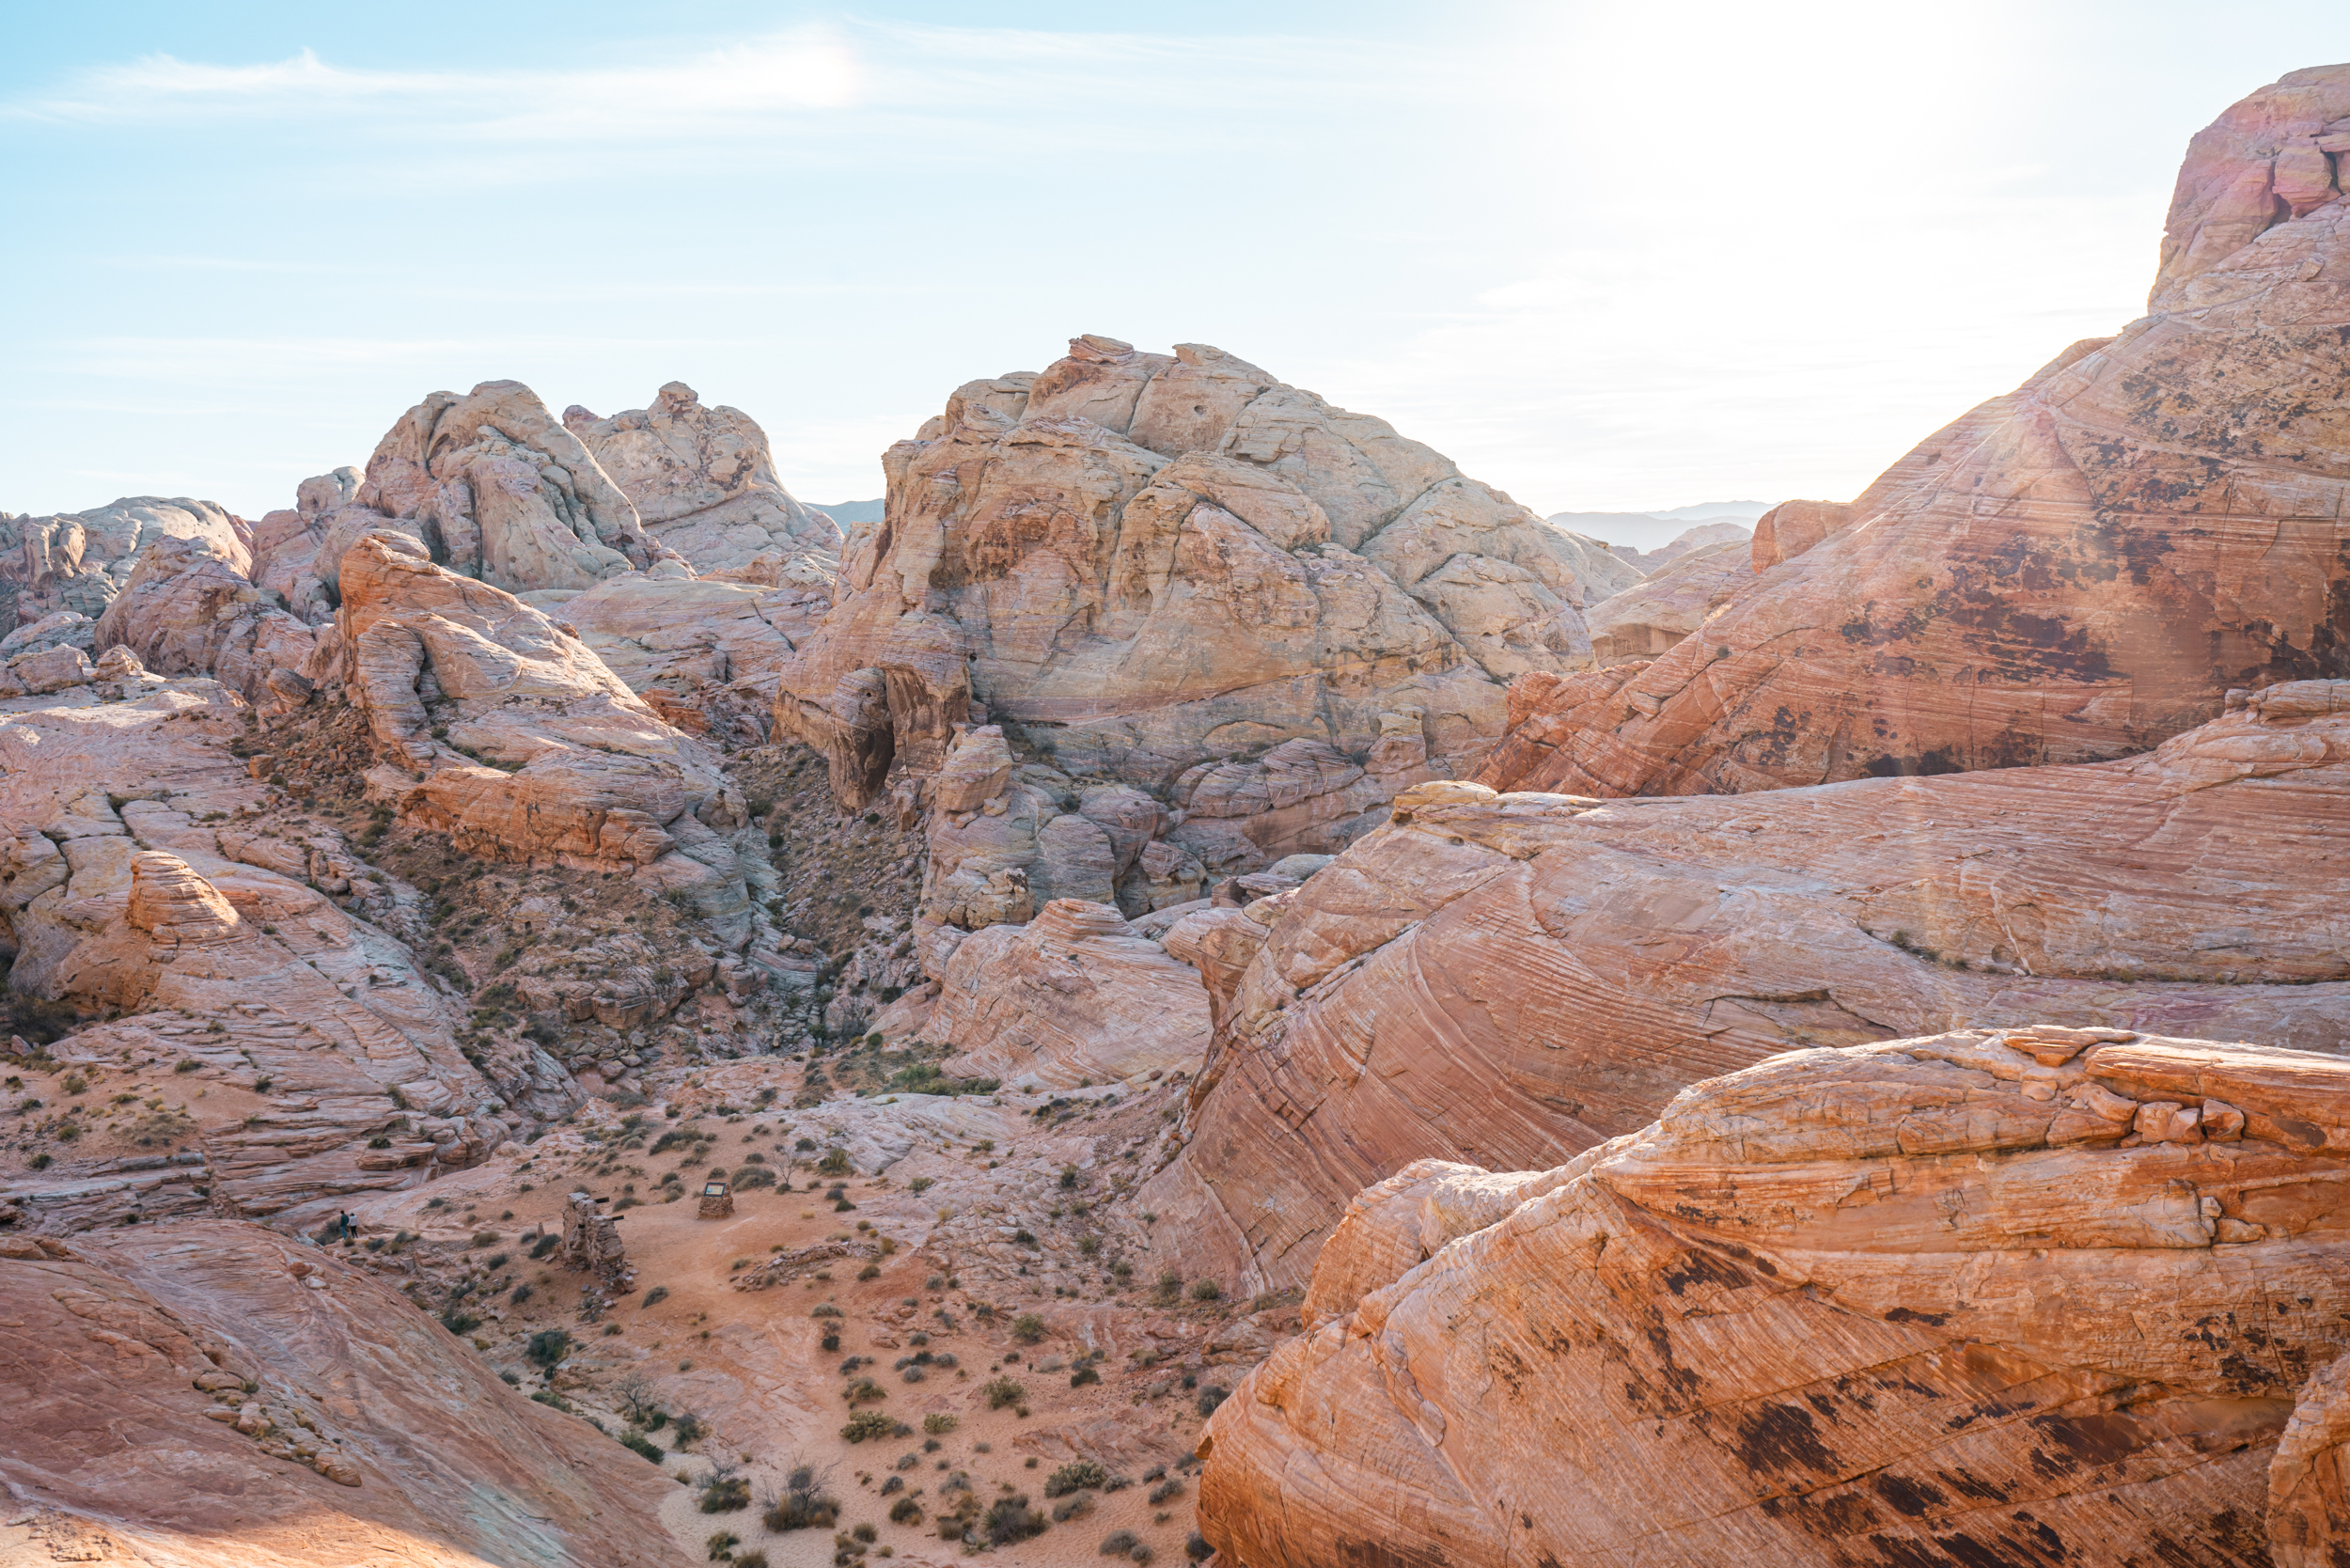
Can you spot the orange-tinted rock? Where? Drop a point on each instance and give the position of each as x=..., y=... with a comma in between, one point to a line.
x=217, y=1396
x=1506, y=981
x=1648, y=617
x=2073, y=572
x=501, y=730
x=1847, y=1305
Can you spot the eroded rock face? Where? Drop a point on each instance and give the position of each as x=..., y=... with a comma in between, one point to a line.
x=79, y=562
x=186, y=610
x=1521, y=977
x=704, y=482
x=1647, y=618
x=144, y=873
x=1150, y=561
x=1975, y=1296
x=499, y=728
x=2075, y=571
x=705, y=653
x=494, y=489
x=215, y=1395
x=1074, y=996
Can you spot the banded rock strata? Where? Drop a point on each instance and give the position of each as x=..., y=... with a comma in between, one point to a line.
x=1509, y=980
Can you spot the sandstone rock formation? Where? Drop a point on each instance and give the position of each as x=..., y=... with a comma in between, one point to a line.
x=1074, y=996
x=494, y=488
x=704, y=482
x=705, y=653
x=1647, y=618
x=187, y=610
x=1986, y=1296
x=499, y=728
x=1508, y=979
x=286, y=545
x=2075, y=571
x=1148, y=563
x=217, y=1396
x=234, y=947
x=79, y=562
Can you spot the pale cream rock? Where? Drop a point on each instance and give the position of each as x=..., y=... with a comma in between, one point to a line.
x=704, y=483
x=1075, y=995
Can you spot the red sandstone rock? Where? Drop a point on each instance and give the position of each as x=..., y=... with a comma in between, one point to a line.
x=2075, y=571
x=1506, y=981
x=1859, y=1306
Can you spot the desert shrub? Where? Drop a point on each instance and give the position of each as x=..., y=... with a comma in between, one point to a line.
x=1171, y=1488
x=1206, y=1289
x=805, y=1505
x=862, y=1390
x=1169, y=1288
x=1028, y=1328
x=723, y=1493
x=1075, y=1476
x=1117, y=1543
x=824, y=1309
x=905, y=1511
x=1212, y=1396
x=1001, y=1391
x=644, y=1445
x=939, y=1424
x=721, y=1545
x=870, y=1271
x=869, y=1423
x=835, y=1162
x=1197, y=1548
x=690, y=1428
x=458, y=1321
x=1011, y=1519
x=548, y=1347
x=750, y=1560
x=752, y=1178
x=544, y=1245
x=1082, y=1376
x=656, y=1295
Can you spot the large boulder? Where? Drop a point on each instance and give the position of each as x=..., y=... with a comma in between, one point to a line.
x=2075, y=571
x=1149, y=563
x=1508, y=979
x=704, y=482
x=186, y=610
x=498, y=728
x=79, y=562
x=494, y=488
x=1074, y=996
x=2028, y=1296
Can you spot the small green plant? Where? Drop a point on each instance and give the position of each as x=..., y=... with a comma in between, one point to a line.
x=721, y=1544
x=1075, y=1477
x=805, y=1505
x=644, y=1445
x=939, y=1424
x=656, y=1295
x=1212, y=1396
x=547, y=1348
x=724, y=1494
x=869, y=1423
x=1117, y=1543
x=1002, y=1391
x=1206, y=1289
x=835, y=1162
x=905, y=1511
x=1028, y=1328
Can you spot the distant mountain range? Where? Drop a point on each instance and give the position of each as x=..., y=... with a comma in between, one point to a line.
x=846, y=512
x=1647, y=531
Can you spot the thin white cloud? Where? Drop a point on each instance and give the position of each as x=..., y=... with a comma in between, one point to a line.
x=912, y=77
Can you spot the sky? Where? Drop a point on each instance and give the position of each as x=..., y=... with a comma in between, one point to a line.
x=1605, y=257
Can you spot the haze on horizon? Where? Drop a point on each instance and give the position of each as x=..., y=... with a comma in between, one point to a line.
x=1607, y=260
